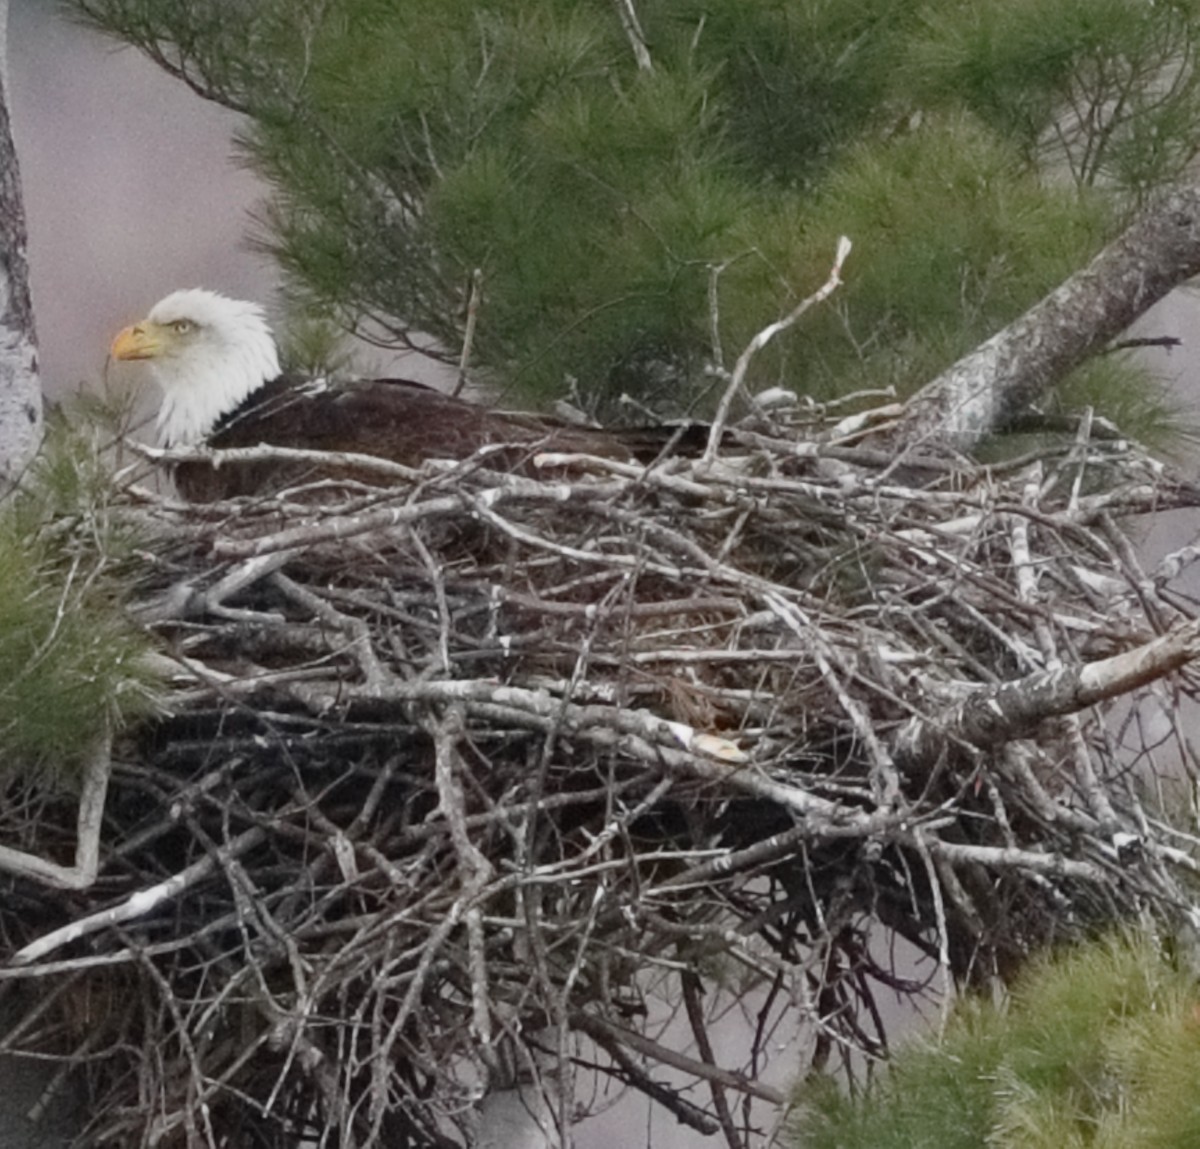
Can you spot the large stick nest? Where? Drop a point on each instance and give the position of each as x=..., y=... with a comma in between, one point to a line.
x=466, y=779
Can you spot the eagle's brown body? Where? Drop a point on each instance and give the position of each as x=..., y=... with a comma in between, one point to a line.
x=399, y=420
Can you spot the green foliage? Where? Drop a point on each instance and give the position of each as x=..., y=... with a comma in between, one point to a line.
x=962, y=237
x=1135, y=400
x=311, y=346
x=1109, y=88
x=69, y=656
x=1098, y=1047
x=798, y=79
x=411, y=144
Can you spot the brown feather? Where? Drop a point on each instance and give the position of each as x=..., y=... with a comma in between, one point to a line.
x=394, y=419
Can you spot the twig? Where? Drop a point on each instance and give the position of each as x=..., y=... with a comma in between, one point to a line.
x=633, y=31
x=464, y=358
x=606, y=1030
x=690, y=985
x=737, y=379
x=139, y=904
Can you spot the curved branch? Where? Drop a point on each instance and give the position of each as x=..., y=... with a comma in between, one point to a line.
x=83, y=873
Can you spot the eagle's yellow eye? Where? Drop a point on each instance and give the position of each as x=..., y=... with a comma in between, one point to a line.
x=182, y=326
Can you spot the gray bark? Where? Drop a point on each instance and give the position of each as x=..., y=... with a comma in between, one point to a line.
x=993, y=716
x=20, y=389
x=984, y=389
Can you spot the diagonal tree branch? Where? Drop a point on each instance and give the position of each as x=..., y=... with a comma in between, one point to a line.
x=1156, y=253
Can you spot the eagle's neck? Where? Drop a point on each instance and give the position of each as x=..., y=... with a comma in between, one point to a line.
x=213, y=381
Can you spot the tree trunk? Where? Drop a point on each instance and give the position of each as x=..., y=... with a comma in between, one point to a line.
x=20, y=390
x=975, y=397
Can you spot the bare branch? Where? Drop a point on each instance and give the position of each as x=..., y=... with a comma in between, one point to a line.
x=738, y=379
x=993, y=716
x=633, y=30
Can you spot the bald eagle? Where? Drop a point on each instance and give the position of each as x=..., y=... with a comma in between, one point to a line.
x=216, y=363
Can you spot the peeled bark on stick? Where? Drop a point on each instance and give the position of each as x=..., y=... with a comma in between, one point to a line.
x=20, y=389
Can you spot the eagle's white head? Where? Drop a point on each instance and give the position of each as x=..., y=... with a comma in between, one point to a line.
x=206, y=352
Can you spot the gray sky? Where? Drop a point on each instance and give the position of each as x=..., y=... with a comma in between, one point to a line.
x=130, y=186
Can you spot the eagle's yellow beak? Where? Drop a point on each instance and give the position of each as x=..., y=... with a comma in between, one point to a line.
x=139, y=341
